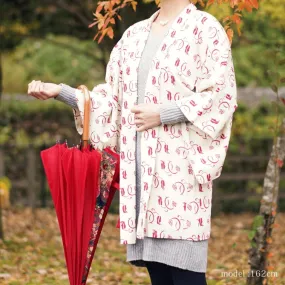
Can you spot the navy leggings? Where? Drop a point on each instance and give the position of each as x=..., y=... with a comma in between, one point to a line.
x=163, y=274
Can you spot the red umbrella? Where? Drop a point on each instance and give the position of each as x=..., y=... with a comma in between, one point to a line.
x=82, y=182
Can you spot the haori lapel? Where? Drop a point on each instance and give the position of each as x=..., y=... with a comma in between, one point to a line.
x=152, y=96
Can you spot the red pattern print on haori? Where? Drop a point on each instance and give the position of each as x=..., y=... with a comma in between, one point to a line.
x=193, y=67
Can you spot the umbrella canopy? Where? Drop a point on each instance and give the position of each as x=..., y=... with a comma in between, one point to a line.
x=82, y=182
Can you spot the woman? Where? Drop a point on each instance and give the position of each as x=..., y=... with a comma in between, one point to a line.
x=167, y=107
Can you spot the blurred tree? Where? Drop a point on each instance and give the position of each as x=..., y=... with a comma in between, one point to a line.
x=260, y=31
x=33, y=19
x=42, y=20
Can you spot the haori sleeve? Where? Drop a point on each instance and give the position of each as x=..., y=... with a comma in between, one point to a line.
x=105, y=105
x=213, y=105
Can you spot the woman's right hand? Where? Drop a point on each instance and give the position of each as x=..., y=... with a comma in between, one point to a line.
x=43, y=91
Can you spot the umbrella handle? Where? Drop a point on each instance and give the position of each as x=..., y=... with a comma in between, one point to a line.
x=85, y=135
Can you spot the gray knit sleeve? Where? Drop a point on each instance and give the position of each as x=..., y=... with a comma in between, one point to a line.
x=67, y=95
x=171, y=114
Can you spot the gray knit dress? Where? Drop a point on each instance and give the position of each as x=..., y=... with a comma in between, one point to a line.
x=185, y=254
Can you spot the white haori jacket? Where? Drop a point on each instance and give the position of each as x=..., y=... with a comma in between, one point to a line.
x=193, y=67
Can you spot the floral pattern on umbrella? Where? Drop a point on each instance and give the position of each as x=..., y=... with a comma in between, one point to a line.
x=108, y=165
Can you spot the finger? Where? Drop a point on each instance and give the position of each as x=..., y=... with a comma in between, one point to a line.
x=42, y=91
x=39, y=86
x=141, y=128
x=37, y=90
x=139, y=121
x=139, y=116
x=30, y=87
x=135, y=109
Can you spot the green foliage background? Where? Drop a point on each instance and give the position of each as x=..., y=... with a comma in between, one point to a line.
x=47, y=50
x=47, y=43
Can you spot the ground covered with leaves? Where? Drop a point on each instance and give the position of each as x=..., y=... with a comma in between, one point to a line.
x=32, y=252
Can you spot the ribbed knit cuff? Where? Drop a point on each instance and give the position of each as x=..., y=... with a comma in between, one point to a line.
x=171, y=114
x=67, y=95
